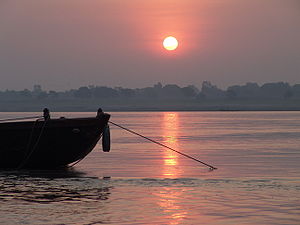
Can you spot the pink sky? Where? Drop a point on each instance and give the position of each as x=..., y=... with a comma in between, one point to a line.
x=64, y=44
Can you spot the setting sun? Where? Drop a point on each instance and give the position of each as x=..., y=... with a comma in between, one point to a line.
x=170, y=43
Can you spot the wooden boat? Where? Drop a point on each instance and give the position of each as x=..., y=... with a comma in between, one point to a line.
x=50, y=143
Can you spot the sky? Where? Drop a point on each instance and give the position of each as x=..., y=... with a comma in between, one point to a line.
x=64, y=44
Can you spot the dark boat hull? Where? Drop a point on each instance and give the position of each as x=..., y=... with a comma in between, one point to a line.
x=48, y=144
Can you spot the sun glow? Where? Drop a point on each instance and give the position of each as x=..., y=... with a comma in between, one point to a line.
x=170, y=43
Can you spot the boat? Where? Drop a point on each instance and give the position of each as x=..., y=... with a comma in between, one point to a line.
x=48, y=143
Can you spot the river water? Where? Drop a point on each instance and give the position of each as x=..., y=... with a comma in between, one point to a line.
x=257, y=181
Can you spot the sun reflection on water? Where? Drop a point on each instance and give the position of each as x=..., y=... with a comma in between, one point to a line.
x=170, y=135
x=169, y=199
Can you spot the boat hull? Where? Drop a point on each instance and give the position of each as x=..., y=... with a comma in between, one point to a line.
x=49, y=143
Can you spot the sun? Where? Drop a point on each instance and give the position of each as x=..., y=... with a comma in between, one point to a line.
x=170, y=43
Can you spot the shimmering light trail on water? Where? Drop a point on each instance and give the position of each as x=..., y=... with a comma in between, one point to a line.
x=257, y=181
x=163, y=145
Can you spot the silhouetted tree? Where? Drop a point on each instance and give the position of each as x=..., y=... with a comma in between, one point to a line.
x=172, y=91
x=83, y=92
x=148, y=92
x=53, y=94
x=42, y=95
x=250, y=90
x=200, y=96
x=126, y=92
x=26, y=93
x=212, y=91
x=37, y=88
x=288, y=94
x=296, y=90
x=105, y=92
x=230, y=93
x=158, y=86
x=190, y=91
x=275, y=90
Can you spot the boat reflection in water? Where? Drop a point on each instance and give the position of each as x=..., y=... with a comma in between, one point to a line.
x=50, y=186
x=53, y=197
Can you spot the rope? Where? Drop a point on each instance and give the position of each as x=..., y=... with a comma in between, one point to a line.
x=165, y=146
x=22, y=164
x=21, y=118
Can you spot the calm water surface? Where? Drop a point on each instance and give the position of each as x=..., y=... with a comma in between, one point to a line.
x=138, y=182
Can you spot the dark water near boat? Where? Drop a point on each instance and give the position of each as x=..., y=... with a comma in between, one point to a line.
x=257, y=181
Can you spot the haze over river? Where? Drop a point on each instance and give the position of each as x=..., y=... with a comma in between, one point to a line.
x=257, y=181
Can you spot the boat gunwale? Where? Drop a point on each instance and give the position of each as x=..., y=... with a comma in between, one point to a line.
x=56, y=122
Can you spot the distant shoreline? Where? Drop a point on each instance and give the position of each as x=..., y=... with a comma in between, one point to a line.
x=150, y=106
x=278, y=96
x=162, y=110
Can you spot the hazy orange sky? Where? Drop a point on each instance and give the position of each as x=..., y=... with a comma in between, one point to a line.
x=64, y=44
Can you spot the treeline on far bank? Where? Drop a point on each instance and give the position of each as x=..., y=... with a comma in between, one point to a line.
x=279, y=90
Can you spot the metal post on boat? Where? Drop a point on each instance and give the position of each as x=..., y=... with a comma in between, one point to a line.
x=100, y=113
x=46, y=114
x=105, y=133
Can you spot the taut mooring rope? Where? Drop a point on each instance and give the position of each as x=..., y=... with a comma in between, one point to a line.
x=158, y=143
